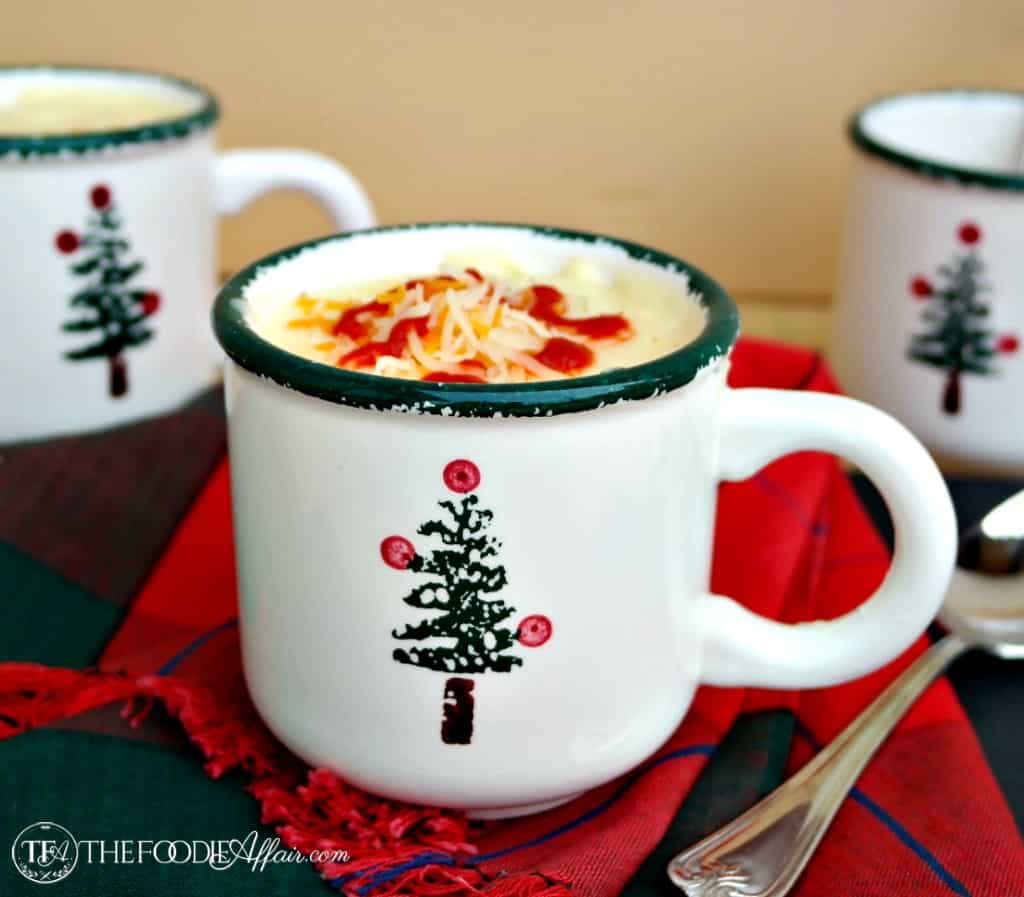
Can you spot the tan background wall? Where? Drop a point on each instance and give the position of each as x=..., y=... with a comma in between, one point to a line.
x=713, y=129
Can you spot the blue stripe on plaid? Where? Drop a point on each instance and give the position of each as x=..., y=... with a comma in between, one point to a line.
x=703, y=750
x=431, y=858
x=900, y=832
x=195, y=645
x=891, y=823
x=781, y=494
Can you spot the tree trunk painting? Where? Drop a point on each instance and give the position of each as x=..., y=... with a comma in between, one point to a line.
x=457, y=722
x=118, y=376
x=951, y=394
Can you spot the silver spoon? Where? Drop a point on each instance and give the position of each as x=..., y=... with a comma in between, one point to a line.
x=763, y=852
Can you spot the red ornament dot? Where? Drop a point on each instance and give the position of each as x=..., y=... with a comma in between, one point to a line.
x=969, y=233
x=67, y=241
x=100, y=196
x=461, y=476
x=397, y=552
x=534, y=631
x=150, y=302
x=1008, y=344
x=921, y=287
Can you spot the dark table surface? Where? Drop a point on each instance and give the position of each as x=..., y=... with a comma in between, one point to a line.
x=991, y=690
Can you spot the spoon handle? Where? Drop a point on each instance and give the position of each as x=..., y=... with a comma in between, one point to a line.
x=763, y=852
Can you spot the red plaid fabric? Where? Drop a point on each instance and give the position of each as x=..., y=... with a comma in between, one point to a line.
x=792, y=543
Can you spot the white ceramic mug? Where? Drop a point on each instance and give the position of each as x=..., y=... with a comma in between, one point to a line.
x=581, y=511
x=930, y=300
x=108, y=253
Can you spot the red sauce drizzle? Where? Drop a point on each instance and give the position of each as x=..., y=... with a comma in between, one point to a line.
x=564, y=355
x=471, y=373
x=448, y=377
x=351, y=322
x=548, y=304
x=399, y=335
x=364, y=356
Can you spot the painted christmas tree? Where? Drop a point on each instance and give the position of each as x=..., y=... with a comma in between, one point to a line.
x=467, y=631
x=957, y=338
x=108, y=306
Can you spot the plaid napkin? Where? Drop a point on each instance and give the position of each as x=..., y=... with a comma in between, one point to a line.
x=115, y=551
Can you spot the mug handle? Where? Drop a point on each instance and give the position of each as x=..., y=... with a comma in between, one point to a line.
x=744, y=648
x=245, y=175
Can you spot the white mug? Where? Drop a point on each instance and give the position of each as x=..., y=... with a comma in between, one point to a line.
x=580, y=512
x=108, y=253
x=930, y=301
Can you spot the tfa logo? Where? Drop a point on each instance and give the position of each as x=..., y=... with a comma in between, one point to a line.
x=44, y=853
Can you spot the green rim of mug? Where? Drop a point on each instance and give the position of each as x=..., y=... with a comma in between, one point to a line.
x=206, y=113
x=371, y=391
x=929, y=167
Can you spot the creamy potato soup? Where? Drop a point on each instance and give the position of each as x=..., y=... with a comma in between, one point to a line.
x=51, y=109
x=483, y=318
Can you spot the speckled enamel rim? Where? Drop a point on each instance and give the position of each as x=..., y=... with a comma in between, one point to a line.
x=929, y=167
x=378, y=393
x=202, y=117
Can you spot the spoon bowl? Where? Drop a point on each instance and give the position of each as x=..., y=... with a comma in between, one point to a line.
x=985, y=604
x=986, y=613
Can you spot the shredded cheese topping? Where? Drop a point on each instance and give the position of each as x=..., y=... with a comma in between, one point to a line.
x=456, y=327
